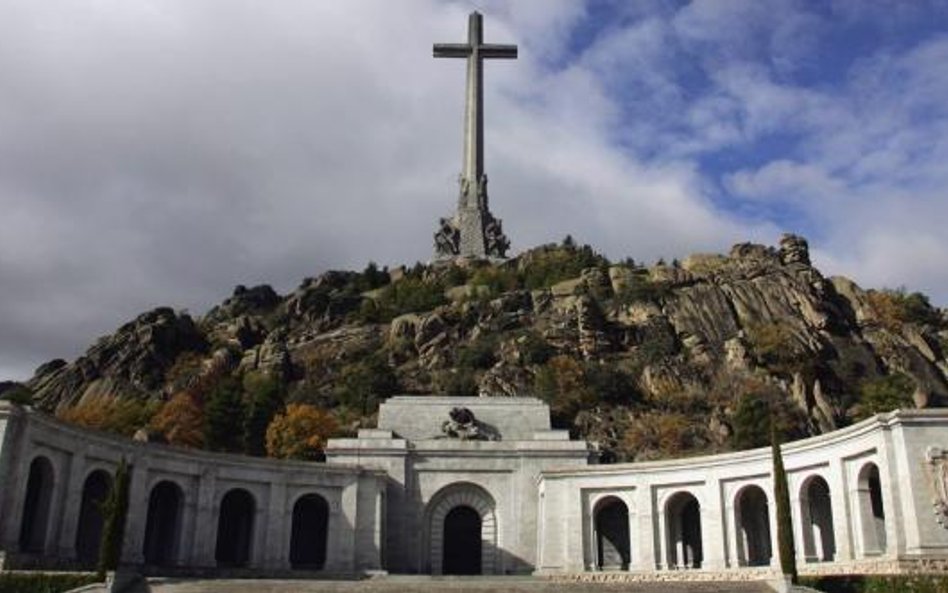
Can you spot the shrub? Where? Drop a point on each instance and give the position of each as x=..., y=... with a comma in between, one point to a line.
x=534, y=349
x=561, y=382
x=775, y=347
x=497, y=279
x=461, y=381
x=365, y=383
x=661, y=434
x=44, y=582
x=479, y=354
x=884, y=394
x=20, y=395
x=545, y=268
x=641, y=289
x=894, y=308
x=111, y=414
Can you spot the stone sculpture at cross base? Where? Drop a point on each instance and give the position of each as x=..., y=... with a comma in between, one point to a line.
x=473, y=231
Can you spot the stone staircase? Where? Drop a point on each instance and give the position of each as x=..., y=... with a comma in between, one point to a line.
x=423, y=584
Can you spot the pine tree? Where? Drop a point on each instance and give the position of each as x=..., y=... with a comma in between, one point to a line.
x=115, y=511
x=265, y=395
x=224, y=417
x=788, y=557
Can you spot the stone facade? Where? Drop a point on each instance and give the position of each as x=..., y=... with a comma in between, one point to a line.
x=439, y=472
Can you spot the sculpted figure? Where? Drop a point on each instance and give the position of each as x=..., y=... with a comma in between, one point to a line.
x=447, y=238
x=497, y=243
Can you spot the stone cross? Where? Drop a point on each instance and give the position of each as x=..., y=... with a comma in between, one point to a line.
x=473, y=231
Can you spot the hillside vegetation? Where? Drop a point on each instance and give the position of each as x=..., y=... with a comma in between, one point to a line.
x=650, y=361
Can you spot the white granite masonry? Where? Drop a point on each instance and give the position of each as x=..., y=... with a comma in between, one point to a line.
x=482, y=486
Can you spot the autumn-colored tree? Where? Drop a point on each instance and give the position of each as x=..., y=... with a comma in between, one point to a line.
x=181, y=421
x=300, y=433
x=659, y=434
x=112, y=414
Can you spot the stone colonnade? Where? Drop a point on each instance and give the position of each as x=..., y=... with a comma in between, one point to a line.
x=859, y=496
x=186, y=508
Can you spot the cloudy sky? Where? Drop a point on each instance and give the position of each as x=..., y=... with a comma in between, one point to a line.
x=159, y=152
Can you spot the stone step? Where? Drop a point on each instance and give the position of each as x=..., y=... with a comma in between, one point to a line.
x=420, y=584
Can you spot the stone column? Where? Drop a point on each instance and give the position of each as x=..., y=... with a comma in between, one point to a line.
x=206, y=525
x=65, y=505
x=189, y=519
x=842, y=519
x=644, y=552
x=713, y=540
x=276, y=520
x=138, y=511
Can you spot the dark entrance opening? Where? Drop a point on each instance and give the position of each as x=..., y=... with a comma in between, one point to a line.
x=235, y=529
x=683, y=516
x=753, y=527
x=462, y=541
x=39, y=494
x=612, y=535
x=163, y=524
x=91, y=520
x=310, y=531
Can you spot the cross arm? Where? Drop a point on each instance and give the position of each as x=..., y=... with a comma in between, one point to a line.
x=498, y=51
x=452, y=50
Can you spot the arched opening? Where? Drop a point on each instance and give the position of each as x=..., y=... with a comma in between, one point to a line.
x=683, y=528
x=310, y=532
x=35, y=517
x=453, y=531
x=235, y=525
x=611, y=520
x=163, y=524
x=871, y=511
x=462, y=541
x=91, y=519
x=752, y=518
x=816, y=510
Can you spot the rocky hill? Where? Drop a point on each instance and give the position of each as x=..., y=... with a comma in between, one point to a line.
x=647, y=360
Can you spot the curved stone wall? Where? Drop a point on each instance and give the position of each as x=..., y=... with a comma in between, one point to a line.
x=861, y=500
x=43, y=518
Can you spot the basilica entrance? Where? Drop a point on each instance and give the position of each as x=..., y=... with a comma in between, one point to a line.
x=462, y=531
x=462, y=541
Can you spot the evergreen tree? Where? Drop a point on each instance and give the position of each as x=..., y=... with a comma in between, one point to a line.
x=265, y=398
x=788, y=556
x=224, y=416
x=115, y=511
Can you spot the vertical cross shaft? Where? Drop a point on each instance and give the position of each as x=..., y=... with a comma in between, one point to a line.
x=475, y=50
x=472, y=231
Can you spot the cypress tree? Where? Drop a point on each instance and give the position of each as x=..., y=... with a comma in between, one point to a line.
x=788, y=557
x=266, y=395
x=115, y=511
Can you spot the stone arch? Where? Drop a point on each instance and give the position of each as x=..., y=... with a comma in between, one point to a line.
x=479, y=501
x=816, y=513
x=34, y=522
x=95, y=490
x=683, y=531
x=235, y=528
x=752, y=518
x=163, y=524
x=871, y=510
x=611, y=527
x=310, y=532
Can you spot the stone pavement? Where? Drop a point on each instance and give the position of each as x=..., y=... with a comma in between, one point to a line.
x=412, y=584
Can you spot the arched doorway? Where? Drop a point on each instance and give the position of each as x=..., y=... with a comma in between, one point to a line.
x=451, y=527
x=816, y=510
x=91, y=520
x=235, y=525
x=462, y=541
x=310, y=532
x=752, y=518
x=35, y=517
x=163, y=524
x=611, y=520
x=871, y=511
x=683, y=529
